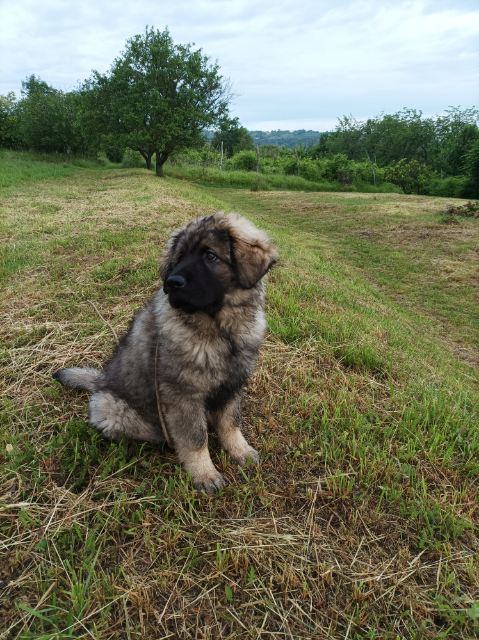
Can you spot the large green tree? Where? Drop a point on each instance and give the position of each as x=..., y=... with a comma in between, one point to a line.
x=157, y=98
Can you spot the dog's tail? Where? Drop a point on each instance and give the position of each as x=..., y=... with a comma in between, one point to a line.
x=79, y=378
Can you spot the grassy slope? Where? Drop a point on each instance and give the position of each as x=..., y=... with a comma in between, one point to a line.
x=18, y=167
x=361, y=521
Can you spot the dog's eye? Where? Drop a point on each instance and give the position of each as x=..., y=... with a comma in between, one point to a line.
x=211, y=257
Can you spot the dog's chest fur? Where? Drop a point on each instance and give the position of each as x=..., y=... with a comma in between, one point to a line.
x=210, y=359
x=205, y=352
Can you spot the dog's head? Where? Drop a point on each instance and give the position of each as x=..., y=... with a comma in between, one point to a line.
x=211, y=257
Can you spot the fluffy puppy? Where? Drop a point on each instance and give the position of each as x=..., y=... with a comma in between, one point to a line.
x=184, y=361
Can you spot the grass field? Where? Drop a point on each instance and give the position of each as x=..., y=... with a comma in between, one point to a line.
x=362, y=519
x=22, y=166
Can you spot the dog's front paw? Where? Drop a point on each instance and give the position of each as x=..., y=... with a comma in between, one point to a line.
x=245, y=456
x=209, y=483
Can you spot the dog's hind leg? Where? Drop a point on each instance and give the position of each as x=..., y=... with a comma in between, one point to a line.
x=114, y=419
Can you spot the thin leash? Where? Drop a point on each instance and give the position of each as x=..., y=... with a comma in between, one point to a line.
x=161, y=413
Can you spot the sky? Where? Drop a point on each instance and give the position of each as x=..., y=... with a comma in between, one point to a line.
x=292, y=64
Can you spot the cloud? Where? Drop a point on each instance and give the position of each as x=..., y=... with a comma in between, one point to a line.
x=304, y=62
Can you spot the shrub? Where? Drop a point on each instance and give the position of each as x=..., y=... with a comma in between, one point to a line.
x=367, y=172
x=309, y=169
x=186, y=156
x=244, y=161
x=338, y=168
x=271, y=165
x=305, y=168
x=290, y=166
x=411, y=175
x=453, y=186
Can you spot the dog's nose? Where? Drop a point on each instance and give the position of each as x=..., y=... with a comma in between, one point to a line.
x=176, y=282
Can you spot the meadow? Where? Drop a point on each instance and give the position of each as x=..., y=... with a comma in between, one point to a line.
x=361, y=520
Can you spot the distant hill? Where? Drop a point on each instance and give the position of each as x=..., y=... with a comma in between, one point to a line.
x=281, y=138
x=286, y=138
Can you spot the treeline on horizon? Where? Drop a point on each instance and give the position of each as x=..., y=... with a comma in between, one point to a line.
x=404, y=151
x=280, y=137
x=164, y=102
x=286, y=138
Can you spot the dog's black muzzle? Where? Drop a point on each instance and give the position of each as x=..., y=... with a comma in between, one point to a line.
x=175, y=282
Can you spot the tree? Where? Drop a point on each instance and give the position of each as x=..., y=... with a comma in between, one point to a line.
x=456, y=133
x=158, y=97
x=234, y=137
x=47, y=118
x=471, y=166
x=384, y=139
x=8, y=120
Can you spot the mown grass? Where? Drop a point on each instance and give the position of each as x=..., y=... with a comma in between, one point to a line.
x=362, y=520
x=17, y=167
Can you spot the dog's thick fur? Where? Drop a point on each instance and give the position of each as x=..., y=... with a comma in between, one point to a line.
x=189, y=352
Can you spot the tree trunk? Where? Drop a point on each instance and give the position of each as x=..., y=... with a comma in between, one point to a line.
x=147, y=158
x=161, y=158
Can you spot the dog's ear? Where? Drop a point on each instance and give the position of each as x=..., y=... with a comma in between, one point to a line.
x=252, y=252
x=167, y=257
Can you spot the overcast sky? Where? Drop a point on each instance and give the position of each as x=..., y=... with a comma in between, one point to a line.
x=293, y=64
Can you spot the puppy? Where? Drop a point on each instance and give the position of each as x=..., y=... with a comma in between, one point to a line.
x=188, y=354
